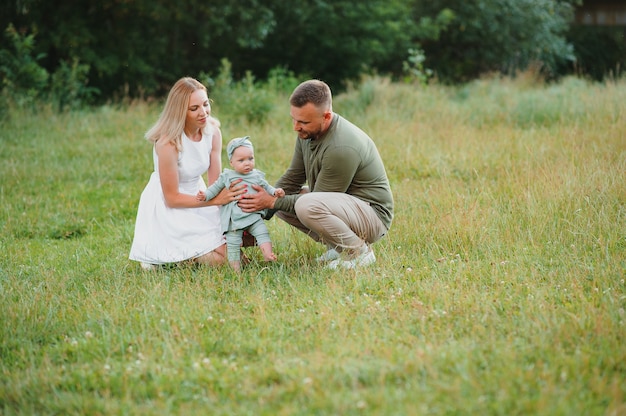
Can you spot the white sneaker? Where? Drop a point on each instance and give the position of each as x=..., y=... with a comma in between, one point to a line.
x=364, y=259
x=148, y=266
x=331, y=254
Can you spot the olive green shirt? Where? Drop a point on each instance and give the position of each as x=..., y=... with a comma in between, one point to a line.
x=344, y=159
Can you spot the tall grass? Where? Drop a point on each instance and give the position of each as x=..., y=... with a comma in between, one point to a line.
x=499, y=290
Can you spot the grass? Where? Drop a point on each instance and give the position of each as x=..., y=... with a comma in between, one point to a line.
x=499, y=289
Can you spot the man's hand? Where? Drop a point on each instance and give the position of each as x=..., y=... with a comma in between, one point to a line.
x=256, y=202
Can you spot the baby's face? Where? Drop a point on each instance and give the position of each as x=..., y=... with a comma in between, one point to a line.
x=242, y=160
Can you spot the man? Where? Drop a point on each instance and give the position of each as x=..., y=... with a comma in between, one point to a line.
x=349, y=205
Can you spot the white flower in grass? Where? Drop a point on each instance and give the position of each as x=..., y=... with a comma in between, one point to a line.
x=88, y=334
x=307, y=381
x=361, y=404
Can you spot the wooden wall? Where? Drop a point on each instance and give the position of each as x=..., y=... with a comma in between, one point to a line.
x=602, y=13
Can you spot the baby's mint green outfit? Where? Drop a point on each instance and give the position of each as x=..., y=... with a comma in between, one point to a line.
x=234, y=220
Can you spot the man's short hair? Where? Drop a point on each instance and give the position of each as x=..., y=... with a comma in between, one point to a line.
x=312, y=91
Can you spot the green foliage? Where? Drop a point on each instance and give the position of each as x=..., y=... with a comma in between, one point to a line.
x=69, y=87
x=414, y=68
x=247, y=98
x=25, y=81
x=23, y=78
x=337, y=41
x=139, y=48
x=505, y=36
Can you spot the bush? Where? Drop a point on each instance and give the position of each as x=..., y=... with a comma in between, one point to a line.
x=25, y=81
x=248, y=98
x=69, y=87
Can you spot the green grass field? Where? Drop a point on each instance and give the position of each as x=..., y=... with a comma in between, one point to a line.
x=499, y=290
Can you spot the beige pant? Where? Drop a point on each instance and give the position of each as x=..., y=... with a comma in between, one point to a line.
x=338, y=220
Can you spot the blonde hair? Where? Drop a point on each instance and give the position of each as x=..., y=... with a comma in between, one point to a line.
x=171, y=122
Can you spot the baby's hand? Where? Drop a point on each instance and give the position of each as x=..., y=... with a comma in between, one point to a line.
x=201, y=196
x=279, y=192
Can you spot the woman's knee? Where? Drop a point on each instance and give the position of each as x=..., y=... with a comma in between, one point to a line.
x=215, y=257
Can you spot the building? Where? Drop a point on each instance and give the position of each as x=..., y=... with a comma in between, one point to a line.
x=601, y=13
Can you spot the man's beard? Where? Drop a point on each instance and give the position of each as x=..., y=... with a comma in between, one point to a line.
x=313, y=135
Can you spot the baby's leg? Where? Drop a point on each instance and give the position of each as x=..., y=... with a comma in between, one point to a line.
x=262, y=235
x=233, y=242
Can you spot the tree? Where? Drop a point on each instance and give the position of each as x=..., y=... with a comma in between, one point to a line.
x=335, y=40
x=497, y=35
x=140, y=46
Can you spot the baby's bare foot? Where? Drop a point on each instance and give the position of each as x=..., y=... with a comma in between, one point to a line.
x=268, y=253
x=235, y=265
x=270, y=257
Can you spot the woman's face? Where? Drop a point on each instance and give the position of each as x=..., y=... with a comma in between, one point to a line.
x=198, y=110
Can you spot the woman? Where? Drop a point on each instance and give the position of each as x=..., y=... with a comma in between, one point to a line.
x=172, y=225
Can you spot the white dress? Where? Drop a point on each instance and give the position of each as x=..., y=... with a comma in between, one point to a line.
x=170, y=235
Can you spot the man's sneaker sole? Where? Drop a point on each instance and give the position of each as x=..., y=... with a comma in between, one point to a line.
x=330, y=255
x=363, y=260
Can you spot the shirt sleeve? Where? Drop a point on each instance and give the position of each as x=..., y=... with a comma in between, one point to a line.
x=295, y=176
x=292, y=181
x=268, y=188
x=212, y=191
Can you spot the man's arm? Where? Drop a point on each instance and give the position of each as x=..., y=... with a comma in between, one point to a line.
x=295, y=176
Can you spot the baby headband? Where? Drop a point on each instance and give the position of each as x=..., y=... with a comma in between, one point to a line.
x=238, y=142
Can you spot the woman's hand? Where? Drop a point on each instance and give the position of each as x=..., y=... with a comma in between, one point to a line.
x=227, y=195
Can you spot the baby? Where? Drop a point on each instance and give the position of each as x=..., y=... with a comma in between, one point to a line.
x=234, y=220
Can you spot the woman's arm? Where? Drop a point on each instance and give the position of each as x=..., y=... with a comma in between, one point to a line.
x=215, y=168
x=168, y=173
